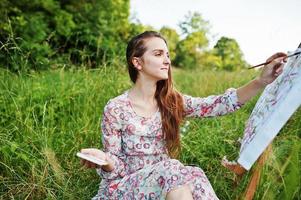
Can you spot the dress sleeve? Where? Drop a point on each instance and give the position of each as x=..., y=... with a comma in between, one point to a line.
x=111, y=140
x=215, y=105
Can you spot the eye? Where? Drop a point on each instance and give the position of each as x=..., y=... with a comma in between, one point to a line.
x=158, y=54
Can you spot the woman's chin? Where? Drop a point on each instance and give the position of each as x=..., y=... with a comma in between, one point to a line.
x=162, y=78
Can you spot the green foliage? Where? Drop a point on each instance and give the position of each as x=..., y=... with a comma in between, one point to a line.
x=102, y=30
x=229, y=52
x=210, y=61
x=64, y=24
x=194, y=22
x=172, y=38
x=190, y=49
x=41, y=34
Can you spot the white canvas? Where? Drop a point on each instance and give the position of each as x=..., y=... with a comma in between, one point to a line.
x=275, y=106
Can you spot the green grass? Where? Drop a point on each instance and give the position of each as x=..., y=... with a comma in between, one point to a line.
x=47, y=117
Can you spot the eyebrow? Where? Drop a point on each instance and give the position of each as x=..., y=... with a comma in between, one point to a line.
x=161, y=50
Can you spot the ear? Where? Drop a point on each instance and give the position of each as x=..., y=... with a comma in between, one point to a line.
x=137, y=63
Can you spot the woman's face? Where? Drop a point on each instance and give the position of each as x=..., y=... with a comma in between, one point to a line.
x=155, y=62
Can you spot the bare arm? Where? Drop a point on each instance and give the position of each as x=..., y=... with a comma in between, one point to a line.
x=268, y=74
x=246, y=92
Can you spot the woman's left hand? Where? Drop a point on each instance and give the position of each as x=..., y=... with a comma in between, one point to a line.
x=272, y=70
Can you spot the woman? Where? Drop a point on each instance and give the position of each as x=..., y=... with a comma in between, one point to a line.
x=140, y=128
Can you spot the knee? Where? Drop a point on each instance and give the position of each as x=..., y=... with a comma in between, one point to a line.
x=183, y=192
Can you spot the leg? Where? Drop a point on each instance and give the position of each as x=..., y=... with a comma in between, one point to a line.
x=181, y=193
x=201, y=187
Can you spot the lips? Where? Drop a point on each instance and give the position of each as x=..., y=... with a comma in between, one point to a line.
x=164, y=68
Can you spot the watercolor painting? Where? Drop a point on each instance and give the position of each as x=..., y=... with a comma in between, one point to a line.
x=277, y=103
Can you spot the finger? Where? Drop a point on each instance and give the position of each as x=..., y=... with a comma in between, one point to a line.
x=87, y=164
x=276, y=55
x=280, y=68
x=285, y=59
x=93, y=165
x=280, y=59
x=276, y=62
x=278, y=73
x=85, y=150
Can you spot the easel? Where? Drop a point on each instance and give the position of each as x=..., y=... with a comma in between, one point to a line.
x=256, y=173
x=249, y=192
x=255, y=176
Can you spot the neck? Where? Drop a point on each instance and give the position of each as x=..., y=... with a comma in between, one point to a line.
x=144, y=91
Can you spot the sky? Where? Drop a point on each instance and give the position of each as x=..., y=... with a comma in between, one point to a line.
x=261, y=27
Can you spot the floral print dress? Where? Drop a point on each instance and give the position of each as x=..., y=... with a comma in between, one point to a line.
x=143, y=170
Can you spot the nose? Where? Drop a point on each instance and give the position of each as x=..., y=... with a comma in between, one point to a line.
x=167, y=60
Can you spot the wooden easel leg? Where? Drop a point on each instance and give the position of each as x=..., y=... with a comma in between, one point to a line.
x=255, y=177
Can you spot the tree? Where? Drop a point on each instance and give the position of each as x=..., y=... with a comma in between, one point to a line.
x=210, y=61
x=189, y=50
x=229, y=52
x=172, y=38
x=35, y=34
x=101, y=32
x=194, y=22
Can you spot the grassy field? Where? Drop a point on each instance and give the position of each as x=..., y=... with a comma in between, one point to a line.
x=45, y=118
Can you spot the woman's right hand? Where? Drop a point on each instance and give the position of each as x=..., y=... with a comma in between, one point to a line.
x=98, y=154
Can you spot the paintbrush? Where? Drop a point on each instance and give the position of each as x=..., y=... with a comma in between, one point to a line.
x=294, y=54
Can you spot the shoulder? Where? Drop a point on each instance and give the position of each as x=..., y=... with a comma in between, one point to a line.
x=117, y=103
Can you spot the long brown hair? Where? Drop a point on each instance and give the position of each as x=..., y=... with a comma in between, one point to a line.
x=169, y=100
